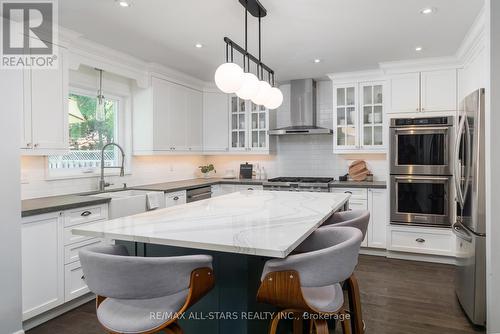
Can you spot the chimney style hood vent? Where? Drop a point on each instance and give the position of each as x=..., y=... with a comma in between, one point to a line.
x=302, y=110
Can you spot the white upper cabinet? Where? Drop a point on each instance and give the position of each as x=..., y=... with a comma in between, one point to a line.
x=405, y=93
x=194, y=139
x=215, y=122
x=45, y=127
x=423, y=91
x=439, y=90
x=168, y=118
x=359, y=117
x=249, y=126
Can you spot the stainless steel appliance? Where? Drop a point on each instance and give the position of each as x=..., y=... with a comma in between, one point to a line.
x=316, y=184
x=198, y=194
x=421, y=153
x=302, y=110
x=421, y=145
x=420, y=199
x=470, y=225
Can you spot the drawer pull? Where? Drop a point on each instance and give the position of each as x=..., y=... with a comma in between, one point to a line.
x=250, y=189
x=420, y=240
x=86, y=213
x=348, y=192
x=176, y=198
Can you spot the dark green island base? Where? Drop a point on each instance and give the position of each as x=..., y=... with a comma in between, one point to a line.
x=237, y=279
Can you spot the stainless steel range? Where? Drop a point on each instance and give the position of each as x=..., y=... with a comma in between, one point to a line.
x=316, y=184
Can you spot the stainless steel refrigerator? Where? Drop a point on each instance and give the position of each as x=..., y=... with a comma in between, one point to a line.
x=470, y=225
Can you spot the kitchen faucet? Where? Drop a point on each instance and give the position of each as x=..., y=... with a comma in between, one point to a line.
x=103, y=184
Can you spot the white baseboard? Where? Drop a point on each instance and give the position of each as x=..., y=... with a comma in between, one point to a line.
x=19, y=332
x=408, y=256
x=44, y=317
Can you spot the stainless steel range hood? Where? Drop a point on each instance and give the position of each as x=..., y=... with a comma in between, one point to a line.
x=302, y=110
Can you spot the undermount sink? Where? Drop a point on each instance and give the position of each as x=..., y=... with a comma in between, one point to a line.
x=126, y=202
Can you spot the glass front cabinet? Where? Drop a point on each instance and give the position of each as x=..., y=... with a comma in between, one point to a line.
x=249, y=126
x=359, y=117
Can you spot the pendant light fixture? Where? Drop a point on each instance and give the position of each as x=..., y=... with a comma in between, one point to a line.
x=99, y=109
x=231, y=78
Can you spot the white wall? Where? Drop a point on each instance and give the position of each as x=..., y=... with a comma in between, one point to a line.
x=492, y=167
x=145, y=170
x=10, y=213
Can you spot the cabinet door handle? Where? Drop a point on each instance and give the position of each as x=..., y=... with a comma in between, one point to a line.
x=176, y=198
x=83, y=277
x=348, y=192
x=28, y=145
x=423, y=109
x=36, y=145
x=86, y=213
x=417, y=109
x=420, y=240
x=250, y=189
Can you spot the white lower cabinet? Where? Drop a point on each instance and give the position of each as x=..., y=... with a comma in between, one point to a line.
x=422, y=240
x=51, y=271
x=74, y=281
x=42, y=264
x=374, y=200
x=223, y=189
x=175, y=198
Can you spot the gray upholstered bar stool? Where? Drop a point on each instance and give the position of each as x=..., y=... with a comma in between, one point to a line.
x=309, y=281
x=352, y=218
x=141, y=294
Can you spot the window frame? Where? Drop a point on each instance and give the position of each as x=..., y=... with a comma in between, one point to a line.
x=121, y=127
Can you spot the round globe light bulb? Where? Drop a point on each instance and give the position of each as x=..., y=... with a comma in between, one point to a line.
x=275, y=99
x=263, y=93
x=249, y=88
x=229, y=77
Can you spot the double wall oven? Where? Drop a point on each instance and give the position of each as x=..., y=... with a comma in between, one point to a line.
x=421, y=170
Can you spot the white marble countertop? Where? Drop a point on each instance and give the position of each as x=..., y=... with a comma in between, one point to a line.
x=264, y=223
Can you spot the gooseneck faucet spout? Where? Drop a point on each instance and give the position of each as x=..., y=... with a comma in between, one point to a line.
x=102, y=183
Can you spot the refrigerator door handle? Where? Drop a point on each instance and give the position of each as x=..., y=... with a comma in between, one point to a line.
x=461, y=232
x=468, y=162
x=457, y=164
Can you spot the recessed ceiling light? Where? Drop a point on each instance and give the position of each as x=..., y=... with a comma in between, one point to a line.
x=427, y=10
x=123, y=3
x=317, y=60
x=418, y=48
x=198, y=45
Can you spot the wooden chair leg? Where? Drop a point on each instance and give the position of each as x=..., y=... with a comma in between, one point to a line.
x=346, y=324
x=172, y=329
x=298, y=324
x=321, y=326
x=275, y=322
x=355, y=305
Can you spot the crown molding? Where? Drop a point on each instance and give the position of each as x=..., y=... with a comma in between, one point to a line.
x=475, y=39
x=368, y=75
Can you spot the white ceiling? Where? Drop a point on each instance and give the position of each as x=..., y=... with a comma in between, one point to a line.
x=347, y=35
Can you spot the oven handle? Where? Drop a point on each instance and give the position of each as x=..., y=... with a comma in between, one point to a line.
x=457, y=164
x=429, y=178
x=461, y=232
x=426, y=128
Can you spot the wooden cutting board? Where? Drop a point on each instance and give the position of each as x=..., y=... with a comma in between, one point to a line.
x=358, y=170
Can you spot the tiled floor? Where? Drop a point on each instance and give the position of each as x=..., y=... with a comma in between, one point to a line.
x=399, y=297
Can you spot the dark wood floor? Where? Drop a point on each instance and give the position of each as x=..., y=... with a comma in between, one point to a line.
x=399, y=297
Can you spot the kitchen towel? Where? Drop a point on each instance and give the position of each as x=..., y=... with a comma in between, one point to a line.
x=154, y=199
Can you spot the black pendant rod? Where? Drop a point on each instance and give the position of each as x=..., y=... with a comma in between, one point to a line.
x=247, y=54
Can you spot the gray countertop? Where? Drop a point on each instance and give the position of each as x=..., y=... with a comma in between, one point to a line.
x=36, y=206
x=194, y=183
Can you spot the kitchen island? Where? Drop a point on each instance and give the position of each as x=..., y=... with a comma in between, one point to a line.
x=240, y=230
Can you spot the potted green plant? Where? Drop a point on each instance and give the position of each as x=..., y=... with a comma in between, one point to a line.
x=207, y=169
